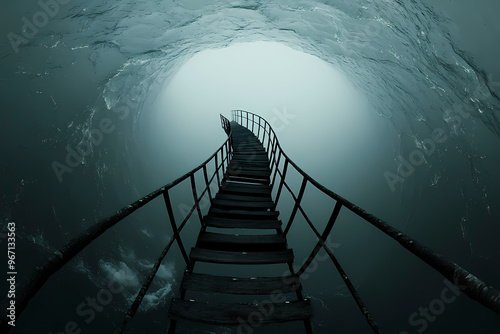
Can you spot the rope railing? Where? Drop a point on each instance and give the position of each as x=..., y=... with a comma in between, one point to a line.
x=470, y=284
x=30, y=287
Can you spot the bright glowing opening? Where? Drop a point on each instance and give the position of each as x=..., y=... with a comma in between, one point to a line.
x=304, y=98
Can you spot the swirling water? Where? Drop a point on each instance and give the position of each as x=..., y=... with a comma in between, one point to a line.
x=95, y=61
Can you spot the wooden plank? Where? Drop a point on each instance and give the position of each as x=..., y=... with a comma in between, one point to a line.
x=217, y=256
x=246, y=152
x=250, y=153
x=235, y=242
x=244, y=178
x=262, y=168
x=240, y=286
x=256, y=143
x=246, y=191
x=255, y=159
x=250, y=156
x=245, y=198
x=241, y=205
x=241, y=223
x=243, y=185
x=243, y=214
x=228, y=314
x=249, y=173
x=248, y=164
x=239, y=146
x=246, y=139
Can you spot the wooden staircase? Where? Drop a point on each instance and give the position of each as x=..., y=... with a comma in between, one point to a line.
x=243, y=203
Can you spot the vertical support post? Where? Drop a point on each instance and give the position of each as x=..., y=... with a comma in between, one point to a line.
x=227, y=152
x=269, y=142
x=280, y=187
x=276, y=169
x=258, y=129
x=171, y=217
x=322, y=239
x=264, y=135
x=253, y=121
x=222, y=163
x=217, y=169
x=353, y=291
x=206, y=183
x=296, y=206
x=247, y=119
x=196, y=200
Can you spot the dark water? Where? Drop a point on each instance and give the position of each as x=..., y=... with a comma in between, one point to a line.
x=424, y=156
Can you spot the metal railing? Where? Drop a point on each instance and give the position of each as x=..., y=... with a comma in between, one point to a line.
x=470, y=284
x=27, y=290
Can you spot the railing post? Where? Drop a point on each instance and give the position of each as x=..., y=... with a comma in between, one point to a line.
x=282, y=181
x=206, y=183
x=171, y=217
x=217, y=169
x=353, y=291
x=269, y=141
x=196, y=200
x=264, y=135
x=258, y=129
x=271, y=153
x=222, y=163
x=276, y=168
x=322, y=239
x=296, y=206
x=253, y=121
x=145, y=286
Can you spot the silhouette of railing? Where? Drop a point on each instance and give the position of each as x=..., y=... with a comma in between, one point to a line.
x=27, y=290
x=470, y=284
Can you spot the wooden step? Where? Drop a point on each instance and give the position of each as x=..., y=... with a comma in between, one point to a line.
x=241, y=189
x=234, y=314
x=243, y=214
x=250, y=153
x=249, y=173
x=245, y=140
x=241, y=205
x=241, y=223
x=240, y=286
x=252, y=148
x=236, y=166
x=236, y=242
x=243, y=178
x=226, y=257
x=250, y=159
x=249, y=164
x=244, y=198
x=243, y=185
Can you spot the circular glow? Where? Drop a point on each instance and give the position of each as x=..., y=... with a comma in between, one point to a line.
x=307, y=101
